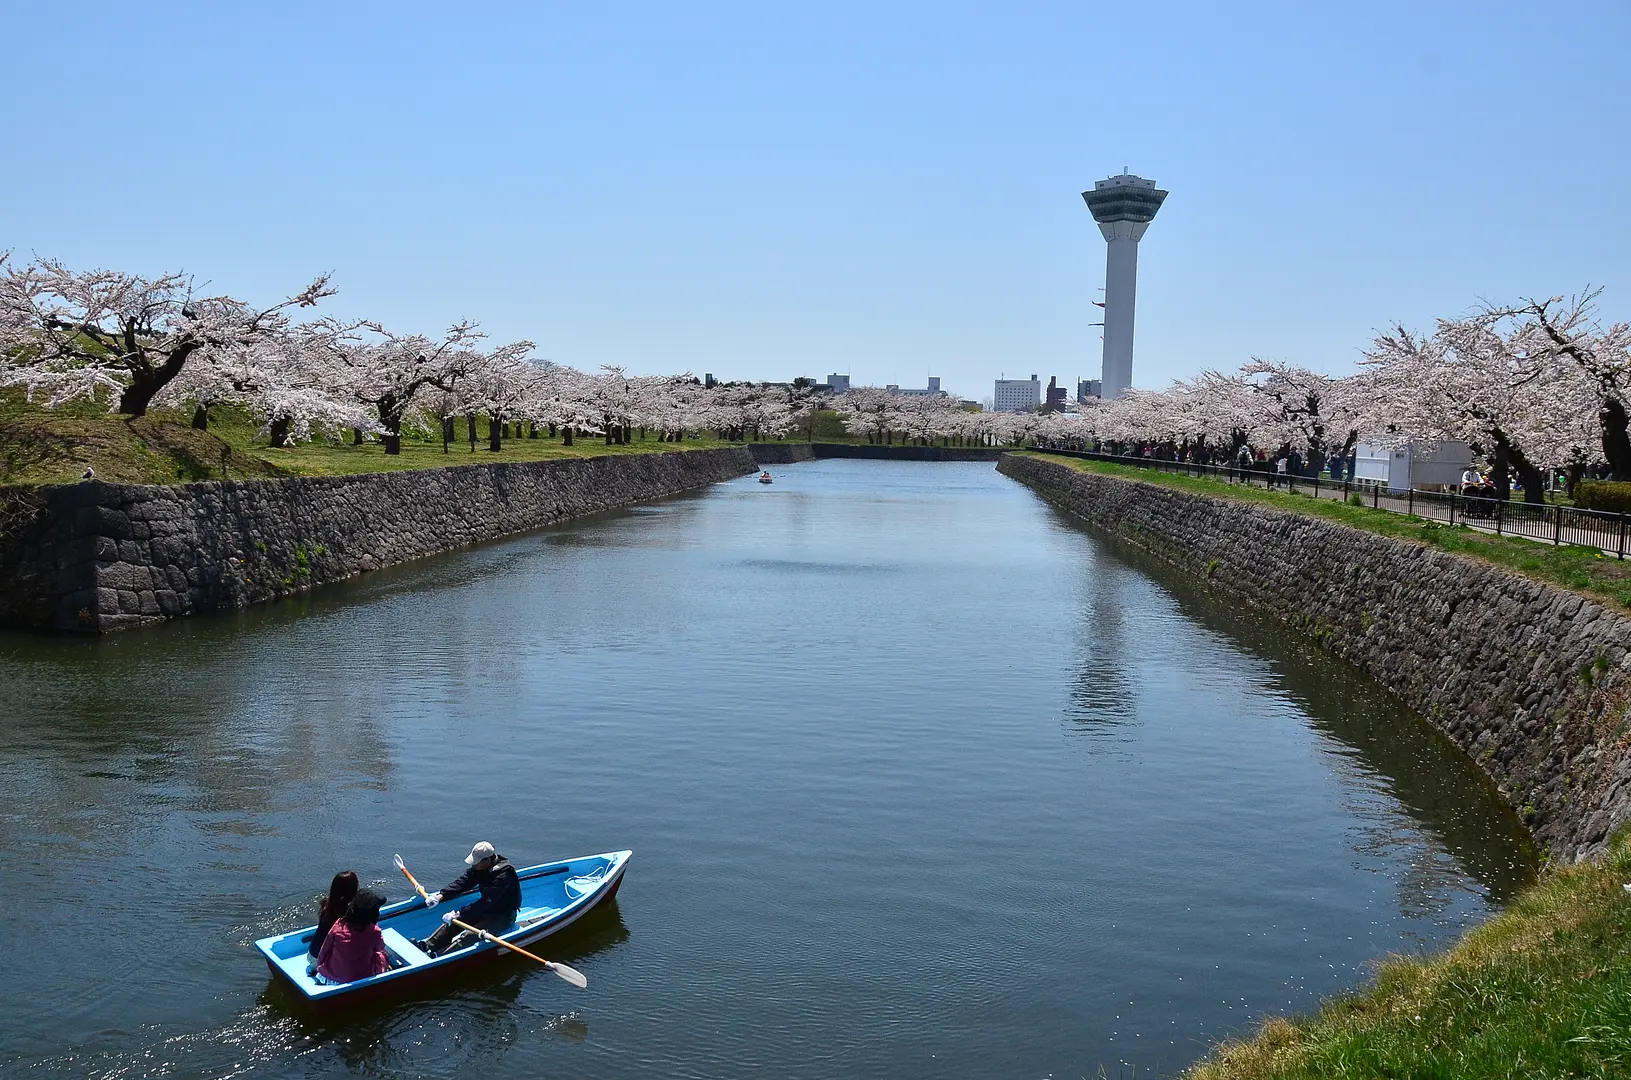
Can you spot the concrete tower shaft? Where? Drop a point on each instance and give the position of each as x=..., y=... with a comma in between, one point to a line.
x=1123, y=206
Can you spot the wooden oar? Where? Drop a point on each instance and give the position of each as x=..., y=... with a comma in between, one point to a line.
x=570, y=974
x=418, y=888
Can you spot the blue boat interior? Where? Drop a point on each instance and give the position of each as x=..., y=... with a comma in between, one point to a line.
x=551, y=895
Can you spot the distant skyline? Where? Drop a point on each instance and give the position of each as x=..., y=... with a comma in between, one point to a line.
x=767, y=193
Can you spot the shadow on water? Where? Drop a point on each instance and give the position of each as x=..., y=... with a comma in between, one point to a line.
x=1438, y=786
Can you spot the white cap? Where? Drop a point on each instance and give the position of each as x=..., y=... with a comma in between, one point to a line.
x=481, y=851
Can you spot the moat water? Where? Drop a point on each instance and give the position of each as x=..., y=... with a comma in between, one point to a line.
x=922, y=780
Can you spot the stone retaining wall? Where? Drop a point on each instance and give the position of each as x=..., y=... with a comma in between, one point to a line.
x=97, y=557
x=1530, y=680
x=780, y=453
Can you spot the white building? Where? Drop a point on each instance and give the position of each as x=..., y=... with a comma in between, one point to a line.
x=933, y=390
x=839, y=383
x=1017, y=395
x=1413, y=465
x=1123, y=206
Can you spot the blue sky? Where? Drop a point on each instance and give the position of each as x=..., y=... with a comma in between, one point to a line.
x=892, y=190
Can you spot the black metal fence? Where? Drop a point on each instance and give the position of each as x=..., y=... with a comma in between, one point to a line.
x=1550, y=522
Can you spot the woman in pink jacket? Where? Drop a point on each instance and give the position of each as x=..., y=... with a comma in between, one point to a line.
x=354, y=948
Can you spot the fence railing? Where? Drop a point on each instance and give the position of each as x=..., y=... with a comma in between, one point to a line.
x=1549, y=522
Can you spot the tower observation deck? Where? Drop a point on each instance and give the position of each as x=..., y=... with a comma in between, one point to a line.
x=1123, y=206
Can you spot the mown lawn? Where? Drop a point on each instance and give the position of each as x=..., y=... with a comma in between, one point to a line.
x=54, y=446
x=1584, y=569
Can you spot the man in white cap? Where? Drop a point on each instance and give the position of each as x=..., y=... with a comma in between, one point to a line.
x=494, y=911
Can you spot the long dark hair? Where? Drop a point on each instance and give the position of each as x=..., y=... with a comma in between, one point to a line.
x=364, y=910
x=341, y=891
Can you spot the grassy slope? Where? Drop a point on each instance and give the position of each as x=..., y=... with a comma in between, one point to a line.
x=39, y=446
x=1541, y=990
x=1586, y=570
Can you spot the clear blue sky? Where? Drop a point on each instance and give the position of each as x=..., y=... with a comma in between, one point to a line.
x=766, y=190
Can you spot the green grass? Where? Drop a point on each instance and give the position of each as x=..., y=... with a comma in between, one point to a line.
x=1582, y=569
x=53, y=446
x=1541, y=990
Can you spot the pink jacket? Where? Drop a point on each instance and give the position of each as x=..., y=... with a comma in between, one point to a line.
x=350, y=954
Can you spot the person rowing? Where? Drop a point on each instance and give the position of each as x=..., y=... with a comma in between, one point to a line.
x=494, y=911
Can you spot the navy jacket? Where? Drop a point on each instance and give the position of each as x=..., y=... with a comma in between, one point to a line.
x=500, y=890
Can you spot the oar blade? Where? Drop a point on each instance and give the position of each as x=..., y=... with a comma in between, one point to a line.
x=571, y=975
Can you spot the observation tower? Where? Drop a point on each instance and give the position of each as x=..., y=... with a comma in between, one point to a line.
x=1123, y=206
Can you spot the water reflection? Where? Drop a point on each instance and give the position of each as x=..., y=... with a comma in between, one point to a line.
x=1371, y=737
x=1102, y=695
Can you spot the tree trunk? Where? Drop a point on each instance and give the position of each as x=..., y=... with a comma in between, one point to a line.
x=356, y=436
x=495, y=434
x=1534, y=481
x=1503, y=475
x=566, y=440
x=279, y=432
x=470, y=429
x=390, y=418
x=447, y=432
x=532, y=429
x=201, y=418
x=1616, y=437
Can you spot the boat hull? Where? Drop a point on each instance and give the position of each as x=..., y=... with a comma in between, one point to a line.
x=554, y=896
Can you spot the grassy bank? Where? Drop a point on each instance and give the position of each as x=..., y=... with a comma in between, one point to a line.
x=1541, y=990
x=54, y=446
x=1583, y=569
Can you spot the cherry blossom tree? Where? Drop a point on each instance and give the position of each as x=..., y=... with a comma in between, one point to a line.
x=1474, y=380
x=391, y=372
x=1301, y=409
x=869, y=411
x=502, y=383
x=68, y=334
x=1559, y=331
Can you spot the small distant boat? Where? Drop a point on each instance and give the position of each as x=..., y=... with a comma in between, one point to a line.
x=764, y=478
x=553, y=896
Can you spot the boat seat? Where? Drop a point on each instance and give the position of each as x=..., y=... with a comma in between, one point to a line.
x=405, y=950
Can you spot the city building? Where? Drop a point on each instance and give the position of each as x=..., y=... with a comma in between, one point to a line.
x=839, y=383
x=1017, y=395
x=1087, y=389
x=933, y=390
x=1055, y=397
x=1123, y=206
